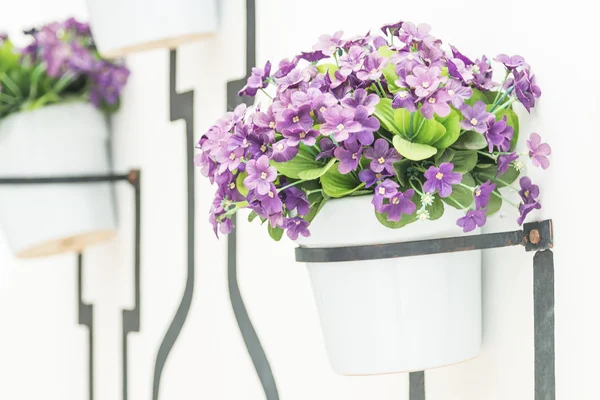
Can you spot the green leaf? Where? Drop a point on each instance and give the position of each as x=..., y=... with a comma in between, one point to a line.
x=428, y=131
x=404, y=220
x=494, y=204
x=252, y=216
x=304, y=161
x=452, y=125
x=470, y=140
x=443, y=156
x=464, y=160
x=389, y=72
x=339, y=185
x=413, y=151
x=315, y=208
x=239, y=182
x=401, y=167
x=402, y=122
x=436, y=209
x=484, y=174
x=275, y=233
x=461, y=197
x=385, y=114
x=316, y=172
x=331, y=68
x=477, y=96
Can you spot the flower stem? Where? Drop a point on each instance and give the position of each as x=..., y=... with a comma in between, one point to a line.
x=410, y=125
x=504, y=199
x=376, y=90
x=501, y=85
x=336, y=58
x=503, y=106
x=381, y=87
x=465, y=209
x=10, y=84
x=413, y=186
x=490, y=155
x=466, y=186
x=292, y=184
x=266, y=94
x=506, y=184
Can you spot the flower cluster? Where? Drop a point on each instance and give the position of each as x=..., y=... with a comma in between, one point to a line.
x=393, y=116
x=61, y=61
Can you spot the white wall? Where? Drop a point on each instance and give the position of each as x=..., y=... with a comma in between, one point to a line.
x=43, y=352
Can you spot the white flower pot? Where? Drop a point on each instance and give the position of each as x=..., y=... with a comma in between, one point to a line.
x=394, y=315
x=68, y=139
x=126, y=26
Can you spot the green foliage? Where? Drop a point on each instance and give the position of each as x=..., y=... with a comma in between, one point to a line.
x=464, y=160
x=461, y=197
x=239, y=182
x=470, y=140
x=413, y=151
x=303, y=162
x=315, y=173
x=336, y=184
x=275, y=233
x=489, y=173
x=494, y=204
x=452, y=125
x=401, y=169
x=436, y=210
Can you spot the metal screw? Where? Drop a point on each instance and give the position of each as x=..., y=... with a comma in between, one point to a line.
x=534, y=236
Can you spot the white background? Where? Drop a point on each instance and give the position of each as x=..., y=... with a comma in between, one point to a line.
x=43, y=352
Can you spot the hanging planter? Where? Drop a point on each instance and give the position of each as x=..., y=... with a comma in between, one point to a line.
x=122, y=27
x=377, y=140
x=55, y=95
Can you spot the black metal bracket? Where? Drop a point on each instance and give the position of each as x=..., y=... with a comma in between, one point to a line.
x=131, y=318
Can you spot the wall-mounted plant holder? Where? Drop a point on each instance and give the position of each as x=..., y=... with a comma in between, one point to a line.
x=59, y=140
x=535, y=236
x=123, y=27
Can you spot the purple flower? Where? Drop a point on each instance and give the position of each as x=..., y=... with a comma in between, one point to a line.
x=405, y=99
x=431, y=51
x=257, y=80
x=392, y=28
x=526, y=89
x=349, y=157
x=296, y=226
x=295, y=119
x=353, y=60
x=538, y=151
x=457, y=92
x=259, y=145
x=504, y=161
x=360, y=97
x=424, y=80
x=269, y=202
x=265, y=122
x=297, y=136
x=329, y=44
x=476, y=117
x=384, y=190
x=340, y=122
x=260, y=175
x=525, y=209
x=291, y=80
x=458, y=69
x=511, y=62
x=482, y=194
x=529, y=192
x=295, y=199
x=436, y=103
x=411, y=33
x=473, y=219
x=283, y=152
x=457, y=54
x=370, y=177
x=441, y=179
x=372, y=67
x=482, y=74
x=312, y=56
x=382, y=157
x=285, y=67
x=230, y=160
x=399, y=204
x=327, y=149
x=499, y=134
x=405, y=60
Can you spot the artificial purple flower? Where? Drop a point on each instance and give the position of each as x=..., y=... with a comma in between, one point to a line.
x=482, y=194
x=473, y=219
x=295, y=119
x=504, y=161
x=285, y=67
x=295, y=137
x=476, y=117
x=260, y=144
x=511, y=62
x=327, y=148
x=349, y=156
x=525, y=209
x=382, y=157
x=538, y=151
x=292, y=79
x=436, y=103
x=499, y=134
x=312, y=56
x=256, y=81
x=230, y=160
x=405, y=60
x=260, y=175
x=360, y=97
x=399, y=204
x=482, y=74
x=295, y=199
x=411, y=33
x=296, y=226
x=329, y=44
x=384, y=190
x=370, y=177
x=372, y=67
x=270, y=203
x=340, y=122
x=353, y=60
x=457, y=92
x=525, y=89
x=368, y=124
x=529, y=192
x=283, y=152
x=457, y=54
x=265, y=122
x=392, y=29
x=458, y=69
x=240, y=137
x=405, y=99
x=431, y=51
x=441, y=179
x=424, y=80
x=207, y=165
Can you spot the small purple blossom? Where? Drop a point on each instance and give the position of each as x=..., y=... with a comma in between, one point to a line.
x=360, y=97
x=295, y=119
x=295, y=227
x=538, y=151
x=511, y=62
x=285, y=67
x=353, y=60
x=405, y=99
x=437, y=103
x=270, y=203
x=473, y=219
x=370, y=177
x=382, y=157
x=400, y=203
x=411, y=33
x=283, y=152
x=405, y=60
x=260, y=175
x=349, y=156
x=257, y=80
x=482, y=194
x=525, y=89
x=368, y=126
x=499, y=134
x=384, y=190
x=230, y=160
x=295, y=199
x=312, y=56
x=529, y=194
x=457, y=92
x=441, y=179
x=327, y=149
x=295, y=137
x=372, y=67
x=525, y=209
x=424, y=80
x=329, y=44
x=504, y=161
x=476, y=117
x=340, y=122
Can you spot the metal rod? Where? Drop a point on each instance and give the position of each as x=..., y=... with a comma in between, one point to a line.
x=543, y=323
x=86, y=318
x=63, y=179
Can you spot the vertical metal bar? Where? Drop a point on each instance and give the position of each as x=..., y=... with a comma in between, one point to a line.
x=543, y=320
x=417, y=385
x=86, y=318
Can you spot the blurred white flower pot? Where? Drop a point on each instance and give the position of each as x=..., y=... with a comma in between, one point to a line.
x=394, y=315
x=68, y=139
x=126, y=26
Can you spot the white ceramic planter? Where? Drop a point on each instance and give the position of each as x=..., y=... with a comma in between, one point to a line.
x=394, y=315
x=59, y=140
x=126, y=26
